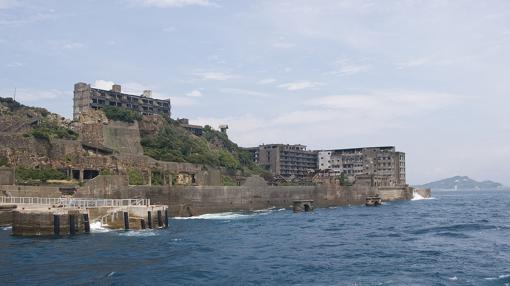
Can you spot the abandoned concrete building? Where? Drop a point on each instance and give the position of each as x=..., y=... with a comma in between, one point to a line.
x=285, y=160
x=385, y=163
x=195, y=129
x=86, y=98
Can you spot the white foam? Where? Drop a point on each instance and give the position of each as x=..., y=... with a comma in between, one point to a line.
x=7, y=228
x=99, y=227
x=138, y=233
x=499, y=277
x=454, y=278
x=418, y=197
x=219, y=216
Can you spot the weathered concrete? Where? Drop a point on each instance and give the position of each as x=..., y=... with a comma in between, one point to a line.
x=254, y=195
x=30, y=220
x=40, y=221
x=6, y=176
x=31, y=191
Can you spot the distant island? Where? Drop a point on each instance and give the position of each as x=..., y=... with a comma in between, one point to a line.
x=463, y=183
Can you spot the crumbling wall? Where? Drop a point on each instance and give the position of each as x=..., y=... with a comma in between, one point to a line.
x=6, y=176
x=123, y=137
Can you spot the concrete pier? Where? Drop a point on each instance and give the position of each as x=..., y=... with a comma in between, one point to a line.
x=68, y=216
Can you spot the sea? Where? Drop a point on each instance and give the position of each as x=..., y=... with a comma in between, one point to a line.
x=454, y=238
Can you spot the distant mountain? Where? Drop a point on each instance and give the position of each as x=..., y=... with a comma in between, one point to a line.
x=463, y=183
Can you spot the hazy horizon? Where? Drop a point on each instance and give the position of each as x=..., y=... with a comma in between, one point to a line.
x=428, y=77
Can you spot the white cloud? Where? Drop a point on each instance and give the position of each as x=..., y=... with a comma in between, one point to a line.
x=245, y=92
x=14, y=65
x=66, y=45
x=34, y=95
x=194, y=93
x=172, y=3
x=103, y=84
x=5, y=4
x=181, y=101
x=413, y=63
x=346, y=67
x=299, y=85
x=213, y=75
x=266, y=81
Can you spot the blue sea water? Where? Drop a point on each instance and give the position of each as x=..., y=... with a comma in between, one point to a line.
x=457, y=238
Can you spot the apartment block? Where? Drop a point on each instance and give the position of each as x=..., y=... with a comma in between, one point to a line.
x=285, y=160
x=86, y=98
x=385, y=163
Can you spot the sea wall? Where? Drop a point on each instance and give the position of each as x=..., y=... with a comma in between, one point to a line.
x=253, y=195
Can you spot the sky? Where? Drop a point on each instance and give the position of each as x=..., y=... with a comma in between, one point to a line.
x=431, y=77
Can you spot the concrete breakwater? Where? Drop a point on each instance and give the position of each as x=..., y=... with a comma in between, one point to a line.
x=255, y=194
x=70, y=216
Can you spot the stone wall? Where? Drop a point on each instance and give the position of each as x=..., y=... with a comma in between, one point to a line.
x=30, y=191
x=102, y=187
x=255, y=194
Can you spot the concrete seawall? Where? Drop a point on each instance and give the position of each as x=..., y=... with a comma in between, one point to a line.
x=254, y=195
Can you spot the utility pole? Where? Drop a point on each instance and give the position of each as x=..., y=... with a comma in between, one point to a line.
x=14, y=94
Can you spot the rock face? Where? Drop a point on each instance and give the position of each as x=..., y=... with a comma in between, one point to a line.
x=463, y=183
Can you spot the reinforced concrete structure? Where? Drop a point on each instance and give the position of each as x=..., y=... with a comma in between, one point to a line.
x=285, y=160
x=384, y=163
x=87, y=98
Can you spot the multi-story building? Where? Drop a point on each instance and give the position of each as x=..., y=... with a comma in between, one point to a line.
x=285, y=160
x=385, y=163
x=86, y=98
x=195, y=129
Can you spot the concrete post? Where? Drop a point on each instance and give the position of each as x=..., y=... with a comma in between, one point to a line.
x=81, y=175
x=150, y=177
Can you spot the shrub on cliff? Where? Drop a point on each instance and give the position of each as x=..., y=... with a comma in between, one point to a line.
x=121, y=114
x=42, y=174
x=48, y=131
x=174, y=144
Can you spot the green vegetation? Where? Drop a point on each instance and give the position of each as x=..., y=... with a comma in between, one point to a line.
x=14, y=106
x=228, y=181
x=175, y=144
x=135, y=177
x=47, y=131
x=39, y=174
x=157, y=178
x=343, y=180
x=121, y=114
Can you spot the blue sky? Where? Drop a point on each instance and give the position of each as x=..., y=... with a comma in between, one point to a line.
x=431, y=77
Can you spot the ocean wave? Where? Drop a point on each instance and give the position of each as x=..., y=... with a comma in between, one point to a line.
x=219, y=216
x=418, y=197
x=99, y=227
x=7, y=228
x=138, y=233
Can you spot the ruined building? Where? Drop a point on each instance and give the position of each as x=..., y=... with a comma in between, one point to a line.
x=87, y=98
x=385, y=164
x=285, y=160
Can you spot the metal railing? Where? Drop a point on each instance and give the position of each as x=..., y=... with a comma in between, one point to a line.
x=75, y=202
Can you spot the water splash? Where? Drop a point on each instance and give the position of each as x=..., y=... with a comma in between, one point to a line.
x=219, y=216
x=7, y=228
x=99, y=227
x=418, y=197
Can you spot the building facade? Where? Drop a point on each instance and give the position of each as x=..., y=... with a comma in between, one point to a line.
x=87, y=98
x=285, y=160
x=385, y=163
